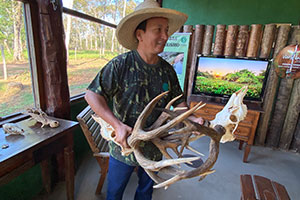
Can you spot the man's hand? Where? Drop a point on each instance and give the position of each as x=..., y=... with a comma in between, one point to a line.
x=198, y=120
x=122, y=132
x=195, y=119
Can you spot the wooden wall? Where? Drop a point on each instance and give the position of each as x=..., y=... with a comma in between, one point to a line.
x=279, y=124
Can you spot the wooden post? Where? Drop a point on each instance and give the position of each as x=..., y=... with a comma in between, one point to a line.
x=198, y=42
x=207, y=40
x=282, y=38
x=231, y=37
x=267, y=40
x=291, y=119
x=271, y=87
x=279, y=113
x=188, y=29
x=54, y=83
x=4, y=63
x=54, y=59
x=220, y=40
x=254, y=40
x=295, y=146
x=295, y=35
x=242, y=41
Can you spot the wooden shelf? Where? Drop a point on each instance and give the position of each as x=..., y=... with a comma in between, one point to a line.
x=245, y=131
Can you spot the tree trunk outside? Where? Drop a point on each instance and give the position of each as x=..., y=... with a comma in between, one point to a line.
x=17, y=31
x=7, y=47
x=68, y=31
x=4, y=63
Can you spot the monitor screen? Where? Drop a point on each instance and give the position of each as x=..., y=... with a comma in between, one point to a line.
x=221, y=77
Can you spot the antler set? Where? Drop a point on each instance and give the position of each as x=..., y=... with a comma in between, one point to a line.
x=164, y=134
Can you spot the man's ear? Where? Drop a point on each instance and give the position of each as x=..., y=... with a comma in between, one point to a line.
x=138, y=34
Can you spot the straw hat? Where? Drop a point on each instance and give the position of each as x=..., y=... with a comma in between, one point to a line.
x=148, y=9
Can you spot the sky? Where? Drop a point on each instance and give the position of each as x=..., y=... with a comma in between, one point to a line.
x=222, y=66
x=66, y=3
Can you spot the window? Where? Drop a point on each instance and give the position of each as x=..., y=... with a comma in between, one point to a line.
x=91, y=43
x=90, y=40
x=15, y=77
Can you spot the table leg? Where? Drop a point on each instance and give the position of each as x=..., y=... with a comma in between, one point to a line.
x=246, y=152
x=241, y=145
x=69, y=164
x=46, y=175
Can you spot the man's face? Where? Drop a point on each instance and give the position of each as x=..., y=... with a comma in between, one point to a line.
x=153, y=40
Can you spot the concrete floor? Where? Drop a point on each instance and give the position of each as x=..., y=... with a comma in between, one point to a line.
x=282, y=167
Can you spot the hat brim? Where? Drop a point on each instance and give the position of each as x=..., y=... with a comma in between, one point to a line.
x=126, y=27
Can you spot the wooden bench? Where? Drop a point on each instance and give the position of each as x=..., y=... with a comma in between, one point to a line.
x=265, y=189
x=98, y=145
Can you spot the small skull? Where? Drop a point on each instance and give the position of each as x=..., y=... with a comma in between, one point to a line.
x=232, y=113
x=13, y=129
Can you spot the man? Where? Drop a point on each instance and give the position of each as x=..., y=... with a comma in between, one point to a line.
x=130, y=81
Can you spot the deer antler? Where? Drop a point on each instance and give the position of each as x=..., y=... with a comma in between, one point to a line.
x=164, y=135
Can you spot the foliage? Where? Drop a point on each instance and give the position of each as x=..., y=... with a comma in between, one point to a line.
x=8, y=18
x=88, y=54
x=87, y=35
x=243, y=76
x=92, y=42
x=230, y=83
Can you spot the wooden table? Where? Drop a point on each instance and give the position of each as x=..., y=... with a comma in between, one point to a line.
x=35, y=146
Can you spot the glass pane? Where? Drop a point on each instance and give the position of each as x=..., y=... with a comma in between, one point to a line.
x=90, y=45
x=15, y=79
x=110, y=11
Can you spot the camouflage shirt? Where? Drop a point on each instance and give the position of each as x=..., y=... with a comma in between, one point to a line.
x=130, y=84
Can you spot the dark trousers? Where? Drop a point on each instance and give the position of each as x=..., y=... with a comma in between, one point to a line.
x=118, y=177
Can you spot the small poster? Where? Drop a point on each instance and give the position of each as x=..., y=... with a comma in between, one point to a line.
x=176, y=53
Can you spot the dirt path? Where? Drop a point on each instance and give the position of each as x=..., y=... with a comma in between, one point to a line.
x=14, y=69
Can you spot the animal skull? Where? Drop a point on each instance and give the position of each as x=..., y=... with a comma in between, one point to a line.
x=232, y=113
x=12, y=129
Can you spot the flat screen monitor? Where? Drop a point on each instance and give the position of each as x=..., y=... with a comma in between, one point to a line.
x=220, y=77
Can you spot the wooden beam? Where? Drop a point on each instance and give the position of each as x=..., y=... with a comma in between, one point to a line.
x=34, y=51
x=291, y=119
x=271, y=88
x=280, y=110
x=87, y=17
x=54, y=62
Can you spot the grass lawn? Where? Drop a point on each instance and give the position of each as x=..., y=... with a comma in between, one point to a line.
x=16, y=92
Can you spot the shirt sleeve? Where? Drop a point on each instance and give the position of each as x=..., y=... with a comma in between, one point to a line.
x=106, y=82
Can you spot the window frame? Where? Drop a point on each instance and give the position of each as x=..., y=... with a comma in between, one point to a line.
x=32, y=39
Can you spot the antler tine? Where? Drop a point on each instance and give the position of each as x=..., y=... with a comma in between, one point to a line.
x=137, y=130
x=162, y=145
x=163, y=116
x=172, y=101
x=150, y=134
x=204, y=169
x=154, y=176
x=157, y=165
x=147, y=110
x=169, y=182
x=167, y=170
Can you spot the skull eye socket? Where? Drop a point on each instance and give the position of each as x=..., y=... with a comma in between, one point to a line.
x=233, y=118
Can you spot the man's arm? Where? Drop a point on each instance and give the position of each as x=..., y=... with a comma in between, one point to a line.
x=100, y=107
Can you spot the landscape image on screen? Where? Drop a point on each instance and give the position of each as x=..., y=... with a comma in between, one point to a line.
x=223, y=76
